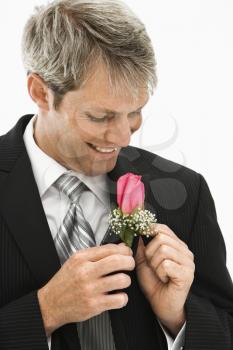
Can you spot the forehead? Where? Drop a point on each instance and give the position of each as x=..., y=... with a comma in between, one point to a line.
x=98, y=92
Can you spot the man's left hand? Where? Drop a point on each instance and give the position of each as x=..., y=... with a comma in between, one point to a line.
x=165, y=271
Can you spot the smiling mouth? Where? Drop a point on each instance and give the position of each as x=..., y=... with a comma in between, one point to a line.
x=103, y=149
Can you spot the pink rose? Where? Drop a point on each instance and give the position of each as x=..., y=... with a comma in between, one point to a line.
x=130, y=193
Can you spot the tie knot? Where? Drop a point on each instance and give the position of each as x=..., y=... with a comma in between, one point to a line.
x=71, y=186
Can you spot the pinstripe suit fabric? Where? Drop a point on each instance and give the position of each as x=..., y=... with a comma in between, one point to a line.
x=180, y=198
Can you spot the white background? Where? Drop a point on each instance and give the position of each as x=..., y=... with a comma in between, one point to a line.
x=189, y=118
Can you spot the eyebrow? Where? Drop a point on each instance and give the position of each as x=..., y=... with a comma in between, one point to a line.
x=111, y=112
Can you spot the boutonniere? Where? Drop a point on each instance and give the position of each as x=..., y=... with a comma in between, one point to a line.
x=130, y=219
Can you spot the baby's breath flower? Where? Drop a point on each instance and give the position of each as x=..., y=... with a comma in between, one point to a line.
x=134, y=224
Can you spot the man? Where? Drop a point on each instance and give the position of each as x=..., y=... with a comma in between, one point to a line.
x=66, y=282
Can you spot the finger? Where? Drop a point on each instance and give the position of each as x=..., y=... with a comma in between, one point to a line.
x=114, y=282
x=140, y=254
x=161, y=228
x=97, y=253
x=113, y=301
x=114, y=263
x=165, y=252
x=157, y=227
x=180, y=275
x=164, y=240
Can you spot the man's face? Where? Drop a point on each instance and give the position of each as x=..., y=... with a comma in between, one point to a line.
x=91, y=126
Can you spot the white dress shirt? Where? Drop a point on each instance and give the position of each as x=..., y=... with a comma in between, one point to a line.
x=46, y=171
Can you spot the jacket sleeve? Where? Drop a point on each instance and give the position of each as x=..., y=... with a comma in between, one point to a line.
x=209, y=306
x=21, y=325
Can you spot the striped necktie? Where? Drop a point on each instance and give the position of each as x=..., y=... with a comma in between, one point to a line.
x=75, y=233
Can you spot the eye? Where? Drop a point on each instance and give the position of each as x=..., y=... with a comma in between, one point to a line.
x=97, y=119
x=108, y=117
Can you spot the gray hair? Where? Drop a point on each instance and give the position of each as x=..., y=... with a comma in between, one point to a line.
x=63, y=40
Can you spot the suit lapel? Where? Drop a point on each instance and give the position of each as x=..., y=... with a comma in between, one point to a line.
x=22, y=209
x=21, y=206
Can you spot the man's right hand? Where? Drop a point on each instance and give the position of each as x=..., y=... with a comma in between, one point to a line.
x=80, y=289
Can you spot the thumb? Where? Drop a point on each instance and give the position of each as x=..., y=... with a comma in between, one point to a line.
x=140, y=254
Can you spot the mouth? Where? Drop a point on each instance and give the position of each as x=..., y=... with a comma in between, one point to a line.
x=103, y=150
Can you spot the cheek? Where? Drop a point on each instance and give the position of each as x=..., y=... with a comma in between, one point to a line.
x=78, y=132
x=71, y=140
x=90, y=132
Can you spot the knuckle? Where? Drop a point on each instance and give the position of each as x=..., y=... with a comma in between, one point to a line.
x=129, y=251
x=68, y=266
x=190, y=275
x=192, y=255
x=189, y=271
x=193, y=274
x=123, y=279
x=166, y=264
x=148, y=254
x=160, y=238
x=154, y=259
x=120, y=277
x=131, y=263
x=127, y=281
x=193, y=267
x=118, y=301
x=163, y=249
x=116, y=259
x=111, y=246
x=75, y=258
x=123, y=299
x=125, y=249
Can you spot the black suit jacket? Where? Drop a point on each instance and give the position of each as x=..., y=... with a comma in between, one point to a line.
x=180, y=198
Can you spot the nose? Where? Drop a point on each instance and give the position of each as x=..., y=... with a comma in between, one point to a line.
x=119, y=133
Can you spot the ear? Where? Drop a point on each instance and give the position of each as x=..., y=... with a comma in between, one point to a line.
x=38, y=91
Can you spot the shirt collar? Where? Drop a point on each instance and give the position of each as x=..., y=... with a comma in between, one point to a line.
x=46, y=170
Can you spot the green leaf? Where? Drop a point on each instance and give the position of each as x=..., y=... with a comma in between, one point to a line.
x=127, y=236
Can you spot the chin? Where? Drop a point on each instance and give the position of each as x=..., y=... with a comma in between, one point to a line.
x=93, y=168
x=100, y=169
